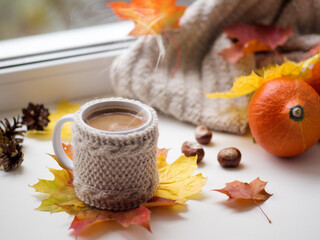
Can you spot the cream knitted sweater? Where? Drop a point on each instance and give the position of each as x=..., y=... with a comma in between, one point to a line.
x=201, y=70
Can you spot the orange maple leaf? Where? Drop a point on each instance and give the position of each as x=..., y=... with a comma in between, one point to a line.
x=163, y=151
x=85, y=218
x=68, y=150
x=254, y=191
x=251, y=39
x=140, y=216
x=150, y=16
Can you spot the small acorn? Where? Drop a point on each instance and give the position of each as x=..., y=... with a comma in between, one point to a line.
x=191, y=149
x=203, y=134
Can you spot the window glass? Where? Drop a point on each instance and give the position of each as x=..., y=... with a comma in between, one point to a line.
x=19, y=18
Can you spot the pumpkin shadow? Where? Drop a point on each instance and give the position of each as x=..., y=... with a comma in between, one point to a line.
x=306, y=163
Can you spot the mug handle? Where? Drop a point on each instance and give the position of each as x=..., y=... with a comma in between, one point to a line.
x=56, y=141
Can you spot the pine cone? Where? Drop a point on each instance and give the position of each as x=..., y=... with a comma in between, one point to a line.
x=35, y=116
x=11, y=156
x=10, y=132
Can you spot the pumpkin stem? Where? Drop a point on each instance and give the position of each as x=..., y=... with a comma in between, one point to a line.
x=296, y=113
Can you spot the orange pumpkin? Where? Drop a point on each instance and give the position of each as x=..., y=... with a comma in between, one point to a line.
x=314, y=80
x=284, y=116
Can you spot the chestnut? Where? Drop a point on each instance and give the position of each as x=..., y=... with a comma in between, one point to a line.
x=203, y=134
x=192, y=149
x=229, y=157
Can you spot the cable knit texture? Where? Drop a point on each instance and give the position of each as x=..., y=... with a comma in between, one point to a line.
x=114, y=171
x=200, y=38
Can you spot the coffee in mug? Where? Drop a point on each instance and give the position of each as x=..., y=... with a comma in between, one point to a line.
x=115, y=120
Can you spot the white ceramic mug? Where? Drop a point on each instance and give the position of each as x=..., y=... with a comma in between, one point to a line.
x=112, y=170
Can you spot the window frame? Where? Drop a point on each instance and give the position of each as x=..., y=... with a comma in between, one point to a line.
x=71, y=64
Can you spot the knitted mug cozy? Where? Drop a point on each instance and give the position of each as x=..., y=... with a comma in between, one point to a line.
x=115, y=171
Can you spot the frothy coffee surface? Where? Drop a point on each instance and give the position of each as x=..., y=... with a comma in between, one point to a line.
x=115, y=120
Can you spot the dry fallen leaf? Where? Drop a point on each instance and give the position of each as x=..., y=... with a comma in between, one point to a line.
x=254, y=191
x=149, y=16
x=252, y=39
x=62, y=196
x=63, y=108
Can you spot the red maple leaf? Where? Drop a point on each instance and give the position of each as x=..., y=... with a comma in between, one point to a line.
x=252, y=39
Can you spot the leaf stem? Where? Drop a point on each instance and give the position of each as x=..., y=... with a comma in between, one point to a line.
x=176, y=45
x=261, y=210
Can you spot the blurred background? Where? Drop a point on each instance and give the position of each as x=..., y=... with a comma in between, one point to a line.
x=19, y=18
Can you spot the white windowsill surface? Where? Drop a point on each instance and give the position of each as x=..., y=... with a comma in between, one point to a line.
x=293, y=208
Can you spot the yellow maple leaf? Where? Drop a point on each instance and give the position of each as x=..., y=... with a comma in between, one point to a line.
x=247, y=84
x=60, y=192
x=176, y=180
x=311, y=61
x=241, y=86
x=175, y=186
x=63, y=108
x=287, y=69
